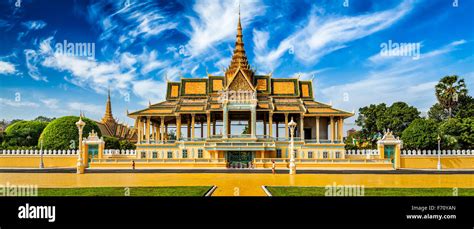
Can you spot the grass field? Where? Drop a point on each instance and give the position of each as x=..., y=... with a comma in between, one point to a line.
x=122, y=191
x=321, y=191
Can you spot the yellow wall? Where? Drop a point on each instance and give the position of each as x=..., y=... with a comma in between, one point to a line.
x=430, y=162
x=25, y=161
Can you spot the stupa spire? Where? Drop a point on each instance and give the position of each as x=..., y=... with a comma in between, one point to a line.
x=108, y=109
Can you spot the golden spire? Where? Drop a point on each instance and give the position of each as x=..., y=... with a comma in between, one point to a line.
x=108, y=109
x=239, y=59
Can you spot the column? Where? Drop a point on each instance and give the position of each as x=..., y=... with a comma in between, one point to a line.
x=332, y=129
x=147, y=131
x=301, y=127
x=317, y=129
x=208, y=135
x=178, y=127
x=214, y=126
x=162, y=129
x=202, y=129
x=277, y=129
x=188, y=123
x=225, y=121
x=254, y=121
x=270, y=124
x=264, y=124
x=193, y=117
x=341, y=128
x=153, y=128
x=139, y=129
x=286, y=126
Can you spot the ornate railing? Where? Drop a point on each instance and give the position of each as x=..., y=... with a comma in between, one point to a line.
x=119, y=152
x=39, y=152
x=436, y=152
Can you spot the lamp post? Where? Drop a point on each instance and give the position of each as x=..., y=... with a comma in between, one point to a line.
x=292, y=126
x=439, y=153
x=41, y=154
x=80, y=126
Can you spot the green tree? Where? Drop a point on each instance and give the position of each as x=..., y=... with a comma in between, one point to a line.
x=62, y=133
x=421, y=134
x=457, y=133
x=111, y=142
x=125, y=144
x=448, y=91
x=23, y=133
x=43, y=119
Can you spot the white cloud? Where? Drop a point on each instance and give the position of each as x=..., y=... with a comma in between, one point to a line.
x=11, y=103
x=7, y=68
x=34, y=25
x=150, y=90
x=50, y=103
x=85, y=107
x=216, y=22
x=323, y=35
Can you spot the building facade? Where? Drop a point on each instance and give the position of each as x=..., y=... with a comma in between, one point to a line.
x=239, y=119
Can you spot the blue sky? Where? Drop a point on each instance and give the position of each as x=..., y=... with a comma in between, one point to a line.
x=140, y=44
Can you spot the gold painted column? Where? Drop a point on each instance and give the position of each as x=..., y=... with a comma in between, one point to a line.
x=208, y=135
x=286, y=125
x=332, y=129
x=139, y=129
x=153, y=129
x=178, y=126
x=193, y=117
x=147, y=131
x=270, y=124
x=162, y=129
x=317, y=129
x=301, y=126
x=341, y=129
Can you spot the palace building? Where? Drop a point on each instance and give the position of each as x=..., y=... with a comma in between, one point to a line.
x=239, y=120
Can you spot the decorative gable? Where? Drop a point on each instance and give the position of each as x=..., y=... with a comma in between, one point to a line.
x=240, y=83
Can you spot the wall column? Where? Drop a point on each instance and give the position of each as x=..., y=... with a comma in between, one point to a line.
x=254, y=122
x=225, y=121
x=147, y=131
x=332, y=129
x=208, y=116
x=178, y=126
x=270, y=124
x=193, y=117
x=302, y=126
x=286, y=126
x=317, y=129
x=162, y=129
x=139, y=129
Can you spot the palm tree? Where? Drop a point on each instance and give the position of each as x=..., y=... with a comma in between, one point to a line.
x=448, y=90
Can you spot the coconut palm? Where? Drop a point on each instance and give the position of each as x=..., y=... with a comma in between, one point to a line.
x=448, y=90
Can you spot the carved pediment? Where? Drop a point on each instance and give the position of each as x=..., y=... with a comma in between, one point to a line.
x=240, y=83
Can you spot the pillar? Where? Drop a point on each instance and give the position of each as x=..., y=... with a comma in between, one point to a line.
x=286, y=126
x=277, y=129
x=178, y=126
x=264, y=124
x=301, y=127
x=189, y=128
x=147, y=131
x=202, y=129
x=332, y=129
x=153, y=129
x=214, y=126
x=193, y=117
x=317, y=129
x=270, y=124
x=254, y=122
x=341, y=128
x=162, y=129
x=225, y=121
x=208, y=133
x=139, y=129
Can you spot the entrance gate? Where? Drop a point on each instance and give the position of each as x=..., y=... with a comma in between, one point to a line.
x=238, y=159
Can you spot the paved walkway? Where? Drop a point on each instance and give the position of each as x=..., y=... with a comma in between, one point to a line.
x=235, y=184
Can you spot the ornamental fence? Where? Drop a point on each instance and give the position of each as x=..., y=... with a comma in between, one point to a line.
x=119, y=152
x=39, y=152
x=435, y=152
x=362, y=152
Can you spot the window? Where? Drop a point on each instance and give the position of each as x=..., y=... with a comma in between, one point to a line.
x=325, y=154
x=278, y=155
x=155, y=155
x=310, y=154
x=170, y=154
x=338, y=154
x=199, y=153
x=185, y=153
x=143, y=155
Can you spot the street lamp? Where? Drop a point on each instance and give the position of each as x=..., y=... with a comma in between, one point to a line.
x=80, y=126
x=439, y=152
x=292, y=126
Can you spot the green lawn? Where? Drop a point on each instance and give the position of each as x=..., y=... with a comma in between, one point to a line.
x=121, y=191
x=321, y=191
